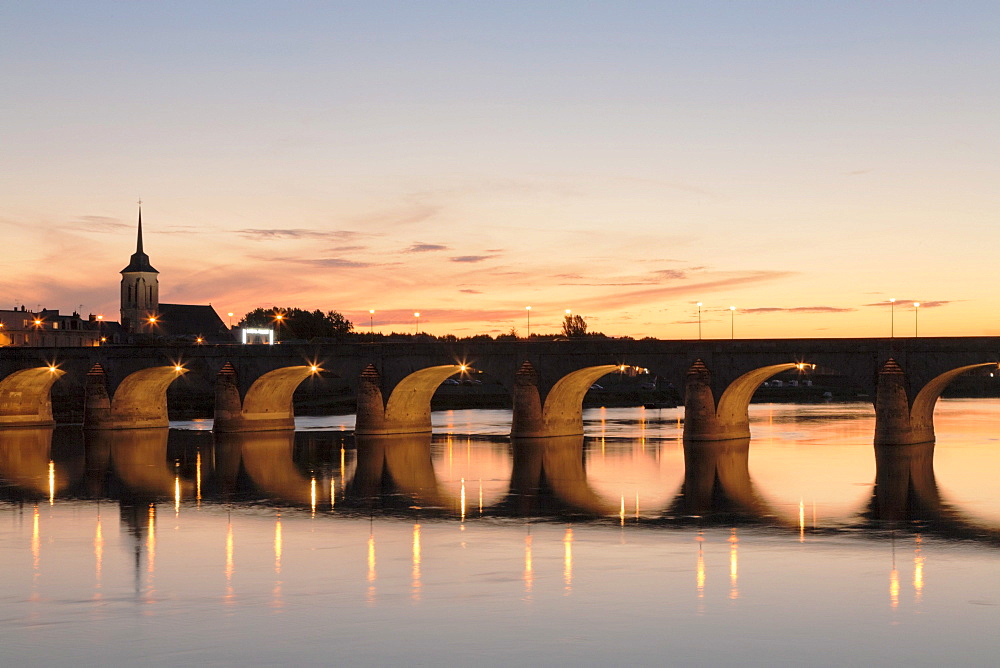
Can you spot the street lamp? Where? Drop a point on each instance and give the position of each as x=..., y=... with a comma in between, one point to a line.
x=528, y=309
x=230, y=320
x=371, y=324
x=732, y=322
x=100, y=329
x=416, y=315
x=892, y=317
x=699, y=321
x=916, y=310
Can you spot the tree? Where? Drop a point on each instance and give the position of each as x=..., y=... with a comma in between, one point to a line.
x=574, y=326
x=296, y=323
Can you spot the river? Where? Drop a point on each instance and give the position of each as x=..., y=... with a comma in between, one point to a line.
x=804, y=545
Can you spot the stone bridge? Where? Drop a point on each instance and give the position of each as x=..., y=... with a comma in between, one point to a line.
x=125, y=387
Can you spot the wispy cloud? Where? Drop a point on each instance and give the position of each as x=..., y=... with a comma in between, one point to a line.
x=100, y=224
x=470, y=291
x=908, y=303
x=670, y=274
x=328, y=262
x=797, y=309
x=471, y=258
x=270, y=234
x=346, y=249
x=425, y=248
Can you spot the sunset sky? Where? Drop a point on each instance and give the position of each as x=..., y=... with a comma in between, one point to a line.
x=802, y=161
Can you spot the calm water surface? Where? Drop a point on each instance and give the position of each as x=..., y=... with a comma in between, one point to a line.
x=804, y=545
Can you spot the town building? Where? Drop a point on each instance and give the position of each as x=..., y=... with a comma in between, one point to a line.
x=49, y=328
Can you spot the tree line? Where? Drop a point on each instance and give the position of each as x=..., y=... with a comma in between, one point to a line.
x=294, y=323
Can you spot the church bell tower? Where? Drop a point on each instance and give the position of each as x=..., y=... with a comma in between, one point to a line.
x=140, y=289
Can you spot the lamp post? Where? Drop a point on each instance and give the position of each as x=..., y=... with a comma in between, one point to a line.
x=528, y=309
x=732, y=322
x=278, y=319
x=892, y=318
x=416, y=314
x=100, y=329
x=699, y=321
x=916, y=310
x=371, y=324
x=230, y=320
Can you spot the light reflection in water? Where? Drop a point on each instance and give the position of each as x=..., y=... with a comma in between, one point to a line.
x=416, y=585
x=197, y=477
x=343, y=469
x=230, y=562
x=568, y=560
x=177, y=495
x=312, y=494
x=52, y=482
x=151, y=539
x=802, y=521
x=371, y=568
x=734, y=563
x=699, y=578
x=918, y=570
x=894, y=580
x=463, y=500
x=36, y=540
x=98, y=550
x=276, y=602
x=529, y=570
x=277, y=546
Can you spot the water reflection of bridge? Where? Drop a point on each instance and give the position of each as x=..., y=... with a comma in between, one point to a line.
x=400, y=474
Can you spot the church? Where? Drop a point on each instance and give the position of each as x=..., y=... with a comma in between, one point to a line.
x=144, y=316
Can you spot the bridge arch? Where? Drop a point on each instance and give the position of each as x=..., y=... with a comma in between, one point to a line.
x=900, y=422
x=267, y=405
x=922, y=411
x=408, y=410
x=562, y=413
x=25, y=397
x=140, y=401
x=704, y=420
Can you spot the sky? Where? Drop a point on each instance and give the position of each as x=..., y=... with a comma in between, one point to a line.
x=802, y=161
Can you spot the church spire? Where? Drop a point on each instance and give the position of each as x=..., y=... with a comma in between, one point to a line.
x=139, y=261
x=138, y=242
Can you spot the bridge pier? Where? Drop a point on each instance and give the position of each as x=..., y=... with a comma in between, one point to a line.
x=892, y=410
x=527, y=420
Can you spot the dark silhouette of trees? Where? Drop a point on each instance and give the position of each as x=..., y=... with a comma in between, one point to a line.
x=296, y=323
x=574, y=326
